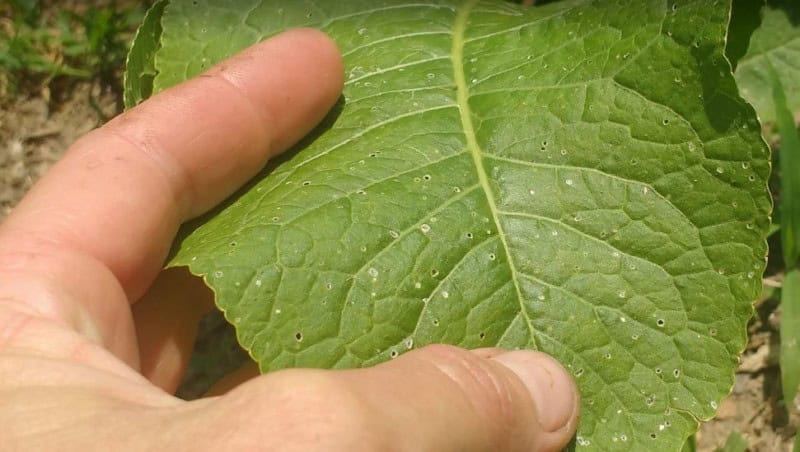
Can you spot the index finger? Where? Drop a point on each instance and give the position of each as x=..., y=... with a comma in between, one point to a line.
x=115, y=201
x=120, y=193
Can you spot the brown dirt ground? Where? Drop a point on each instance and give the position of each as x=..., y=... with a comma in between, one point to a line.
x=35, y=131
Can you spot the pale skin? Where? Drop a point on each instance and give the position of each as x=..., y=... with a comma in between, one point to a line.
x=94, y=337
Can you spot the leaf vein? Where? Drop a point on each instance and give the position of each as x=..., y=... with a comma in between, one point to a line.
x=457, y=55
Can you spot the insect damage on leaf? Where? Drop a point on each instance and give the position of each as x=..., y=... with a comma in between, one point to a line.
x=580, y=177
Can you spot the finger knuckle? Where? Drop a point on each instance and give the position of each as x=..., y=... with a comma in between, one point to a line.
x=489, y=391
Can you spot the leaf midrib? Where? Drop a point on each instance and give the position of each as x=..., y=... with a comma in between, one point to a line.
x=462, y=101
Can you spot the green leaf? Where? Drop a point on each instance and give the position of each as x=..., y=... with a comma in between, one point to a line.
x=140, y=67
x=790, y=336
x=580, y=178
x=789, y=163
x=734, y=443
x=690, y=445
x=776, y=42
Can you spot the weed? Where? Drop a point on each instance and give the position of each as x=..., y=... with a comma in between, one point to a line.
x=41, y=43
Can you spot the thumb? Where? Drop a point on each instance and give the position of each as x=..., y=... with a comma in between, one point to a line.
x=439, y=398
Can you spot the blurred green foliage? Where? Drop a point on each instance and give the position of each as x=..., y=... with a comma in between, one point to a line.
x=43, y=41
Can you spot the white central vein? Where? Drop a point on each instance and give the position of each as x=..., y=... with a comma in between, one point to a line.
x=457, y=55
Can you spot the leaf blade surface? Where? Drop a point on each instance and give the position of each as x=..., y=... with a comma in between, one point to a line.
x=139, y=67
x=580, y=178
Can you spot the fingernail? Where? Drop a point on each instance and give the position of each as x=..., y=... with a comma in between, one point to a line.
x=549, y=384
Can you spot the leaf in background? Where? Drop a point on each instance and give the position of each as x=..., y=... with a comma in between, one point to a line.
x=580, y=178
x=790, y=336
x=734, y=443
x=777, y=41
x=139, y=69
x=789, y=164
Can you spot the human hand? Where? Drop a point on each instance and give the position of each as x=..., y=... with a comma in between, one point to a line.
x=93, y=340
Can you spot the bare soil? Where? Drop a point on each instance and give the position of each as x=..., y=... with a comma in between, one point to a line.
x=37, y=128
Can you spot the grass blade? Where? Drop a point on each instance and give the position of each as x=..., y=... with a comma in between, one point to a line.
x=789, y=163
x=790, y=335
